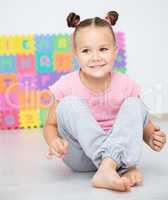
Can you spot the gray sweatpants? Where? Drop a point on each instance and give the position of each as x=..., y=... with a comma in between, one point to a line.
x=89, y=144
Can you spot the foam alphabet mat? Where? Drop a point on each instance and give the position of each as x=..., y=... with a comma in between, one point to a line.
x=28, y=65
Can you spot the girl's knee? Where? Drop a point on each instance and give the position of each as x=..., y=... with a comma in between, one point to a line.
x=135, y=103
x=131, y=105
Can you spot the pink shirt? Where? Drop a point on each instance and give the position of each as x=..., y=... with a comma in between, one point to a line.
x=105, y=105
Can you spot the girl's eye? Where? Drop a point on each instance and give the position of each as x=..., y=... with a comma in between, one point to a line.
x=85, y=51
x=103, y=49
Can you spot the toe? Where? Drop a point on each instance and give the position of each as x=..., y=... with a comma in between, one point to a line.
x=138, y=179
x=133, y=180
x=126, y=183
x=121, y=186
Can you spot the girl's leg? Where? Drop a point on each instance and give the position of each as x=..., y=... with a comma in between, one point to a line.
x=129, y=124
x=124, y=146
x=69, y=112
x=74, y=116
x=75, y=158
x=78, y=126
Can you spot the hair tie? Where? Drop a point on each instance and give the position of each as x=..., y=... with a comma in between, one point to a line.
x=77, y=23
x=107, y=20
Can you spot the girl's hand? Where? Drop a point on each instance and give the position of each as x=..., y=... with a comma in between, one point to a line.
x=157, y=139
x=58, y=147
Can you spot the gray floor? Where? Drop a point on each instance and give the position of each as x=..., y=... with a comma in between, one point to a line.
x=26, y=174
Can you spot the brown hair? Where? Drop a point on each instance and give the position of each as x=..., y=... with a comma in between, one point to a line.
x=73, y=20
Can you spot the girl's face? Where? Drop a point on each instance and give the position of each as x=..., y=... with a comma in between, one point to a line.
x=95, y=51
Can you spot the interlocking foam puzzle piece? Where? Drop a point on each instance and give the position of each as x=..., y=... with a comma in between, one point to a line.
x=29, y=118
x=120, y=62
x=35, y=99
x=8, y=83
x=32, y=82
x=37, y=62
x=27, y=81
x=7, y=45
x=25, y=44
x=45, y=99
x=9, y=102
x=62, y=43
x=25, y=64
x=28, y=99
x=46, y=79
x=1, y=101
x=44, y=62
x=63, y=62
x=9, y=119
x=44, y=43
x=7, y=64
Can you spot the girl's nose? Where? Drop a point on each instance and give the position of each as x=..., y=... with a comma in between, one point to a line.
x=95, y=56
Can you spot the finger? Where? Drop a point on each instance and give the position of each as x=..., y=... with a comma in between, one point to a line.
x=156, y=143
x=157, y=148
x=133, y=180
x=49, y=151
x=58, y=147
x=55, y=152
x=49, y=156
x=55, y=148
x=62, y=146
x=159, y=133
x=159, y=138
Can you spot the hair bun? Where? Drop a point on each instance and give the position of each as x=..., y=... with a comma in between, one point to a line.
x=112, y=16
x=73, y=20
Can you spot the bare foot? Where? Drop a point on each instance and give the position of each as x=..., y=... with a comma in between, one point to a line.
x=134, y=176
x=107, y=177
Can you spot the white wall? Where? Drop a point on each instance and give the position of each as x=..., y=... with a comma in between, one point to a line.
x=144, y=22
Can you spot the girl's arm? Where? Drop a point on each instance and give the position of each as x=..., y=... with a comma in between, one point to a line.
x=154, y=137
x=50, y=129
x=147, y=131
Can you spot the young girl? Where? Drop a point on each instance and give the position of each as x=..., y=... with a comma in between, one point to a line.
x=97, y=121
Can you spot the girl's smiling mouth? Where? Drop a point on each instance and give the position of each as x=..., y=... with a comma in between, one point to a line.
x=97, y=66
